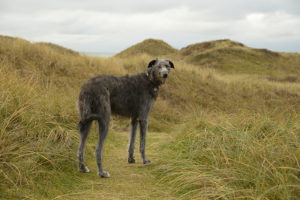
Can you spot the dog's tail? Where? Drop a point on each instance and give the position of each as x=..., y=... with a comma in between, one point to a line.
x=82, y=123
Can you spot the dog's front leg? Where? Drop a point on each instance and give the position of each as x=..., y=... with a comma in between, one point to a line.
x=143, y=133
x=134, y=124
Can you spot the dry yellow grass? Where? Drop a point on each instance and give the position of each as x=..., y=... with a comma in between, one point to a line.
x=212, y=135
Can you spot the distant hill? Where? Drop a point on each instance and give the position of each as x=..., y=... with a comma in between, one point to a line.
x=150, y=46
x=7, y=41
x=231, y=56
x=225, y=55
x=194, y=49
x=57, y=48
x=47, y=58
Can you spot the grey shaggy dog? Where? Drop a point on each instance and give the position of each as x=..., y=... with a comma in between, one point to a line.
x=130, y=96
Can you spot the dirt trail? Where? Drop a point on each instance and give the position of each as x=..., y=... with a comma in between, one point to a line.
x=127, y=181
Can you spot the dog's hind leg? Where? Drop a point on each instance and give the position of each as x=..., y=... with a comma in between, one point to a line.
x=84, y=131
x=103, y=122
x=103, y=131
x=134, y=124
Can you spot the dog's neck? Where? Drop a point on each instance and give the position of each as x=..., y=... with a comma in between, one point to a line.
x=154, y=85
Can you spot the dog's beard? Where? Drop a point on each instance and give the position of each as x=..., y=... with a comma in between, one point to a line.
x=157, y=79
x=161, y=80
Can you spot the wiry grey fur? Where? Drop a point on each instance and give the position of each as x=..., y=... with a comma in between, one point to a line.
x=129, y=96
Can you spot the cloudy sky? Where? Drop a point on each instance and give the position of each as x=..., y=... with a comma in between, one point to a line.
x=113, y=25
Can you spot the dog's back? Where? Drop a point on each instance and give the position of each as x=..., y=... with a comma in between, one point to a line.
x=127, y=94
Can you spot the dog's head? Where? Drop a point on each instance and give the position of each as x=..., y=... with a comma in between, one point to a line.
x=159, y=69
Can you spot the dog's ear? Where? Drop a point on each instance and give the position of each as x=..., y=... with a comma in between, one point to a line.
x=171, y=64
x=151, y=63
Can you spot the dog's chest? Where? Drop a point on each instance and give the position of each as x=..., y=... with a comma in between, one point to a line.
x=154, y=92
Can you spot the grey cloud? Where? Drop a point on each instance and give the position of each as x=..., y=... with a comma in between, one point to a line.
x=114, y=25
x=128, y=6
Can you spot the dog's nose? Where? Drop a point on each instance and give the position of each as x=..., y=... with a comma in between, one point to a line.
x=165, y=75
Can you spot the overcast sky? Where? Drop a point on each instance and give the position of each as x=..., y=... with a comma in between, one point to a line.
x=113, y=25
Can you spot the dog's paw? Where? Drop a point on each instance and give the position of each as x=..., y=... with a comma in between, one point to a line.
x=83, y=169
x=146, y=161
x=131, y=160
x=104, y=174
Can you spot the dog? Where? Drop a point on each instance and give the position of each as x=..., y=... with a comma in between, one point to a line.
x=130, y=96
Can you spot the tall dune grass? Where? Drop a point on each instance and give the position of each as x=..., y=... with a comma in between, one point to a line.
x=241, y=142
x=253, y=157
x=36, y=132
x=235, y=136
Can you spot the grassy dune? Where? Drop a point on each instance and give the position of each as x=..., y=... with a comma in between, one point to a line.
x=233, y=57
x=214, y=133
x=151, y=47
x=226, y=56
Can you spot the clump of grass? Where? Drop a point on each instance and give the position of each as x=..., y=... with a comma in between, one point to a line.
x=254, y=157
x=239, y=140
x=290, y=79
x=33, y=143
